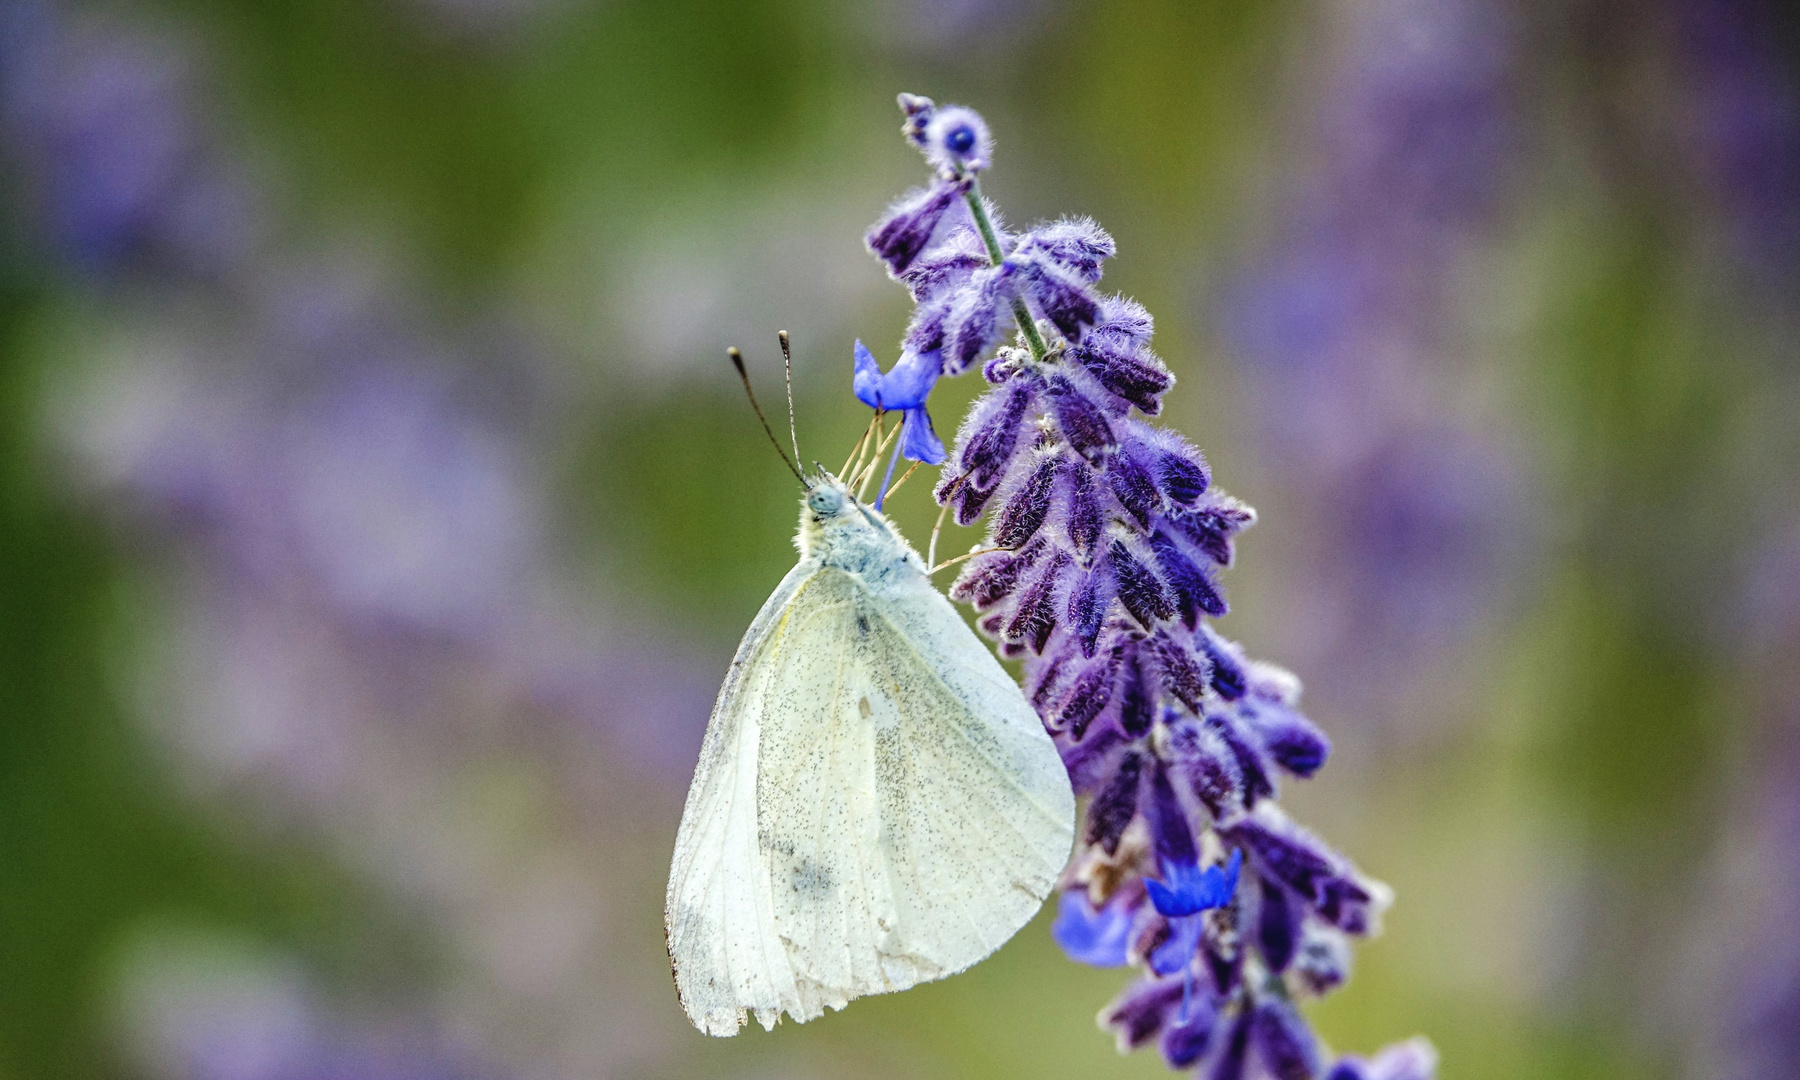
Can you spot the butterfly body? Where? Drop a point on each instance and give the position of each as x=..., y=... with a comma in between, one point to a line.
x=876, y=805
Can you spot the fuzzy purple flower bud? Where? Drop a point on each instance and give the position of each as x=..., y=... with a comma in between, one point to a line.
x=991, y=434
x=1414, y=1059
x=1253, y=766
x=1194, y=591
x=1203, y=760
x=1295, y=742
x=1090, y=693
x=1211, y=526
x=1034, y=617
x=1132, y=483
x=1077, y=245
x=1084, y=517
x=908, y=226
x=1137, y=698
x=956, y=139
x=1141, y=1011
x=1088, y=604
x=973, y=324
x=1182, y=674
x=1291, y=855
x=1056, y=293
x=1082, y=422
x=1228, y=677
x=1234, y=1047
x=1115, y=806
x=1140, y=590
x=1185, y=1042
x=1278, y=922
x=1322, y=961
x=1284, y=1044
x=1027, y=506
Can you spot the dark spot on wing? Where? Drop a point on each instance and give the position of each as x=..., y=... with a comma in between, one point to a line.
x=808, y=878
x=864, y=708
x=862, y=624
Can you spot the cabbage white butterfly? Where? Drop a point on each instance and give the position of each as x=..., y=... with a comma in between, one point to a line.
x=876, y=804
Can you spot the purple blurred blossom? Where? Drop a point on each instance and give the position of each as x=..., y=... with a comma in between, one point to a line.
x=116, y=165
x=201, y=1008
x=1413, y=519
x=366, y=624
x=1742, y=127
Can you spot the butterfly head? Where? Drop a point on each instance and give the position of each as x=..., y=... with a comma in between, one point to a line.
x=833, y=520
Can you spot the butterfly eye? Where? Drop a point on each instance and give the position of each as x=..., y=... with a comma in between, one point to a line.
x=825, y=501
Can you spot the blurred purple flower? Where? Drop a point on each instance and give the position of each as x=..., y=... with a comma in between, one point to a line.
x=1344, y=326
x=201, y=1009
x=1743, y=127
x=101, y=124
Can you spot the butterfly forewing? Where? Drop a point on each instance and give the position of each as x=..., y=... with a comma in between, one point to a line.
x=876, y=806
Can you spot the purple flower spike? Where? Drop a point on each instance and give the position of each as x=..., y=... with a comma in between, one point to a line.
x=1099, y=936
x=1284, y=1044
x=908, y=226
x=1111, y=539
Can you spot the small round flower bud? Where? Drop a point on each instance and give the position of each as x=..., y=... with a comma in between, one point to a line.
x=957, y=139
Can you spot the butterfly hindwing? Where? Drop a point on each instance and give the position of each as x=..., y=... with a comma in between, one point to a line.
x=876, y=806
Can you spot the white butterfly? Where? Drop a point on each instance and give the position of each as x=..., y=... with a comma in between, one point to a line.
x=876, y=804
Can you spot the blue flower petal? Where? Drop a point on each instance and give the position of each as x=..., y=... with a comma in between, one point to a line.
x=1189, y=889
x=919, y=442
x=1099, y=937
x=910, y=383
x=867, y=380
x=1179, y=948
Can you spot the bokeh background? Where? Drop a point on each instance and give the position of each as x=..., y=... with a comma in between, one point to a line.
x=378, y=513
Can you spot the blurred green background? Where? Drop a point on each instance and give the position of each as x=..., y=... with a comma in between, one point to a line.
x=377, y=511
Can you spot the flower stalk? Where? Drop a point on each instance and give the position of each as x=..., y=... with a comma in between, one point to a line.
x=1105, y=540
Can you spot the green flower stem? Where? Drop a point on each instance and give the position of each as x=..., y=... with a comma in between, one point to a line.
x=1021, y=314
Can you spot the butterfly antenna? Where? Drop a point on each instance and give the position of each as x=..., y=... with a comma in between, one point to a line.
x=787, y=371
x=737, y=361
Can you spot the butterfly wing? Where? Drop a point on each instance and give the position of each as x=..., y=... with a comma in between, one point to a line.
x=895, y=810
